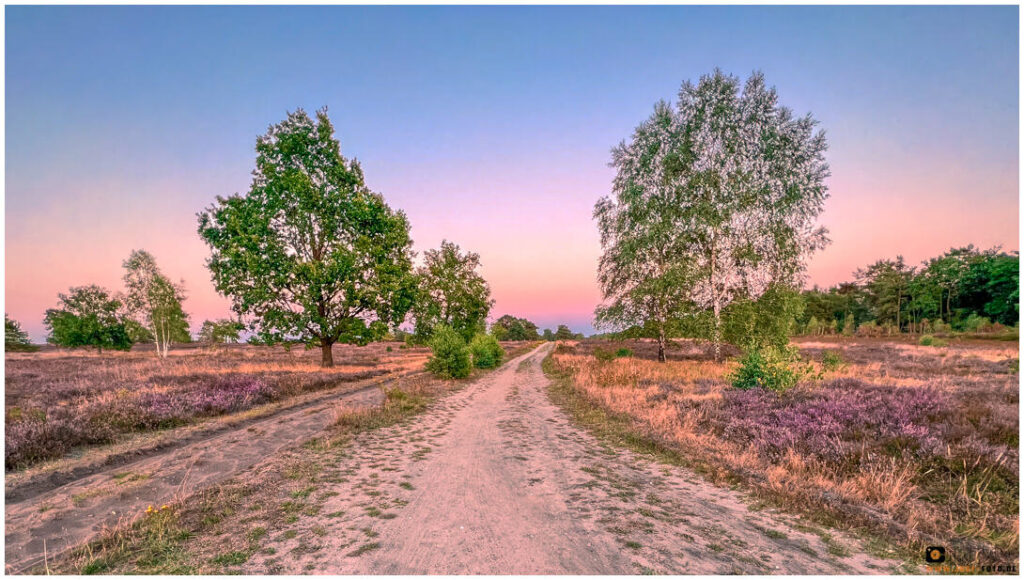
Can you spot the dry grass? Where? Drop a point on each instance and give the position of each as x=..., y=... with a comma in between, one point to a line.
x=918, y=442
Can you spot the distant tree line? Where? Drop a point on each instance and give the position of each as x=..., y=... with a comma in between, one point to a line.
x=965, y=289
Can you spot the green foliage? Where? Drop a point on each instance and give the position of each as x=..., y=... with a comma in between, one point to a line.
x=563, y=333
x=688, y=229
x=486, y=351
x=957, y=291
x=548, y=335
x=624, y=353
x=137, y=332
x=88, y=316
x=220, y=331
x=155, y=302
x=832, y=360
x=849, y=325
x=451, y=357
x=451, y=293
x=509, y=327
x=929, y=340
x=309, y=252
x=765, y=322
x=604, y=355
x=886, y=284
x=16, y=339
x=975, y=323
x=775, y=369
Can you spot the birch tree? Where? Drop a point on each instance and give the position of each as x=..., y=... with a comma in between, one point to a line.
x=714, y=200
x=155, y=302
x=645, y=271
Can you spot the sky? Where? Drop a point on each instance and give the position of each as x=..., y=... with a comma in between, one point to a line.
x=489, y=126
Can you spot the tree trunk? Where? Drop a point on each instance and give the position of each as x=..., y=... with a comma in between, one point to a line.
x=717, y=333
x=661, y=343
x=327, y=354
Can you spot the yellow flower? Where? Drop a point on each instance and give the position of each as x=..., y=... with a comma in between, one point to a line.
x=165, y=507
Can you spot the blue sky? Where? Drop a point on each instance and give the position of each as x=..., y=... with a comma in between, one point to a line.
x=490, y=126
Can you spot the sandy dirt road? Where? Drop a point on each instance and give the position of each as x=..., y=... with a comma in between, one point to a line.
x=494, y=479
x=44, y=524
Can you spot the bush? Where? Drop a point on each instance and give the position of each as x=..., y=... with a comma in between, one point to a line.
x=624, y=353
x=831, y=360
x=604, y=355
x=451, y=359
x=975, y=323
x=486, y=351
x=869, y=328
x=776, y=369
x=929, y=340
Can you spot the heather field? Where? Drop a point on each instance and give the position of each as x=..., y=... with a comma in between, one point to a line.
x=59, y=400
x=918, y=443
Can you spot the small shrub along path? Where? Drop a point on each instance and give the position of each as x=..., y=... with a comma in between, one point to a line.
x=493, y=478
x=44, y=524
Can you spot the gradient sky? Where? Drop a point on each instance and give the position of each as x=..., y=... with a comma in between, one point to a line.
x=489, y=126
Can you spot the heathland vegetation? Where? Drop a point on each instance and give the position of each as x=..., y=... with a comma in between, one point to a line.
x=705, y=240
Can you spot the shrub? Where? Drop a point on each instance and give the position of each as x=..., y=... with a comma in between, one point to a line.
x=832, y=360
x=929, y=340
x=776, y=369
x=486, y=351
x=869, y=328
x=849, y=326
x=604, y=355
x=624, y=353
x=451, y=359
x=975, y=323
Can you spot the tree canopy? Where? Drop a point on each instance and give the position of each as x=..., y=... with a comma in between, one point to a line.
x=88, y=316
x=713, y=201
x=451, y=293
x=509, y=327
x=220, y=331
x=155, y=302
x=945, y=290
x=309, y=252
x=16, y=339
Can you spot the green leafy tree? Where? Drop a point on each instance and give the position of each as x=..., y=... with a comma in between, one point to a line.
x=451, y=293
x=16, y=339
x=644, y=271
x=548, y=335
x=563, y=333
x=509, y=327
x=155, y=302
x=886, y=283
x=222, y=331
x=310, y=253
x=88, y=316
x=714, y=201
x=766, y=322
